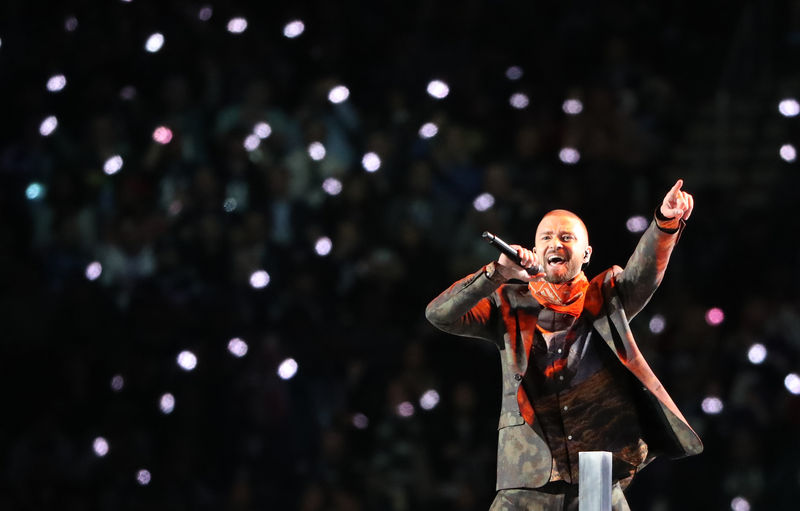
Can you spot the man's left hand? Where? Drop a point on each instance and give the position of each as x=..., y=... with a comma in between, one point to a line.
x=677, y=204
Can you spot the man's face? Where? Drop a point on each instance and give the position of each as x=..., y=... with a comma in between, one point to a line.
x=562, y=246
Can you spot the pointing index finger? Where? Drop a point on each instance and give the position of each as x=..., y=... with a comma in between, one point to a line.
x=676, y=187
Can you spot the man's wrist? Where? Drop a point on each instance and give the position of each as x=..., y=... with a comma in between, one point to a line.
x=666, y=224
x=492, y=272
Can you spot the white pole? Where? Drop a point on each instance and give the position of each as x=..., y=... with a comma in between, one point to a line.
x=594, y=485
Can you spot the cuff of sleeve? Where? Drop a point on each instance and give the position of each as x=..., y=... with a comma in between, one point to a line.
x=668, y=225
x=491, y=273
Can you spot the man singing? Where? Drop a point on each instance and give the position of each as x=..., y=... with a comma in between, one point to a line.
x=573, y=377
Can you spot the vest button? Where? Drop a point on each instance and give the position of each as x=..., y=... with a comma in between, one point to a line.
x=569, y=437
x=566, y=408
x=518, y=377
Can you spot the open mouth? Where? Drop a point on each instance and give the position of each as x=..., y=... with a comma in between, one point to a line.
x=555, y=260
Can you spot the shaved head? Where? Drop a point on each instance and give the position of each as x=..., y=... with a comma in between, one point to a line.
x=562, y=245
x=568, y=213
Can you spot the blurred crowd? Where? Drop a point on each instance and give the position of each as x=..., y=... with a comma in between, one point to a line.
x=377, y=417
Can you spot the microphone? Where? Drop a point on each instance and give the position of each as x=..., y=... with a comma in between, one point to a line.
x=505, y=248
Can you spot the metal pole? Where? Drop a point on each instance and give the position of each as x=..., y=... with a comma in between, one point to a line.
x=594, y=485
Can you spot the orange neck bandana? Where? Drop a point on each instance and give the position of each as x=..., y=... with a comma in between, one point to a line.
x=566, y=297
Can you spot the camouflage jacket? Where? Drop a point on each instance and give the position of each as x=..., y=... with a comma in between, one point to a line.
x=506, y=315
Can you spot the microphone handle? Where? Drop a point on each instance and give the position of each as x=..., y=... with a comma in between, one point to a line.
x=505, y=248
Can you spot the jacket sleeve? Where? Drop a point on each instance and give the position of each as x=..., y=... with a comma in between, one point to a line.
x=467, y=308
x=645, y=269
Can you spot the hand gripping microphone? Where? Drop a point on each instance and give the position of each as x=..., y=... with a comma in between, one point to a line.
x=505, y=248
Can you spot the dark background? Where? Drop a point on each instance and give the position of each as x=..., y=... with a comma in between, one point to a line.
x=688, y=89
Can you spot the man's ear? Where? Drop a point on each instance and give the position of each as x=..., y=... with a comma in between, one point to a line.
x=587, y=254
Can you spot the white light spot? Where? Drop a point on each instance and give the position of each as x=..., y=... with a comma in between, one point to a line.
x=252, y=142
x=371, y=162
x=162, y=135
x=757, y=353
x=360, y=421
x=323, y=246
x=338, y=94
x=316, y=150
x=56, y=83
x=100, y=446
x=287, y=369
x=34, y=191
x=48, y=126
x=514, y=73
x=187, y=360
x=519, y=100
x=429, y=399
x=438, y=89
x=237, y=25
x=259, y=279
x=483, y=202
x=70, y=24
x=293, y=29
x=237, y=347
x=143, y=477
x=657, y=323
x=405, y=409
x=572, y=106
x=113, y=165
x=128, y=92
x=262, y=130
x=792, y=383
x=715, y=316
x=230, y=205
x=740, y=504
x=428, y=130
x=569, y=155
x=167, y=403
x=205, y=12
x=788, y=152
x=94, y=270
x=154, y=42
x=637, y=223
x=712, y=405
x=117, y=383
x=332, y=186
x=789, y=107
x=175, y=207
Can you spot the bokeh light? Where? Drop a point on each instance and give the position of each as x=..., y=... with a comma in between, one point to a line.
x=316, y=151
x=637, y=223
x=100, y=446
x=230, y=204
x=514, y=73
x=712, y=405
x=483, y=202
x=94, y=270
x=113, y=165
x=154, y=42
x=48, y=126
x=360, y=421
x=237, y=25
x=657, y=324
x=519, y=100
x=35, y=191
x=757, y=353
x=792, y=383
x=294, y=29
x=569, y=155
x=117, y=383
x=71, y=24
x=259, y=279
x=287, y=369
x=338, y=94
x=262, y=130
x=237, y=347
x=205, y=13
x=162, y=135
x=715, y=316
x=429, y=399
x=128, y=92
x=789, y=107
x=788, y=152
x=740, y=504
x=405, y=409
x=251, y=142
x=187, y=360
x=56, y=83
x=323, y=246
x=371, y=162
x=572, y=106
x=428, y=130
x=143, y=477
x=332, y=186
x=166, y=403
x=438, y=89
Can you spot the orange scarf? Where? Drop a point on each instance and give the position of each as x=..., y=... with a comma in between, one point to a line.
x=566, y=297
